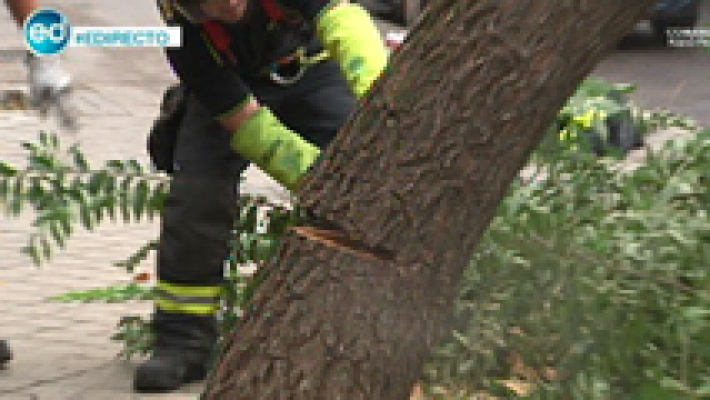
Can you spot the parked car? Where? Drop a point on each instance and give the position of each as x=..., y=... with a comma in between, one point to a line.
x=664, y=15
x=673, y=14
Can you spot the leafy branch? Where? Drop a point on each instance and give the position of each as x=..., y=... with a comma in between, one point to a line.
x=63, y=190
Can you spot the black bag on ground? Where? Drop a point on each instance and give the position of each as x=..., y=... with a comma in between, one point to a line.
x=163, y=134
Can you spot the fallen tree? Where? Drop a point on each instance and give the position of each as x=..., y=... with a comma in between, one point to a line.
x=352, y=308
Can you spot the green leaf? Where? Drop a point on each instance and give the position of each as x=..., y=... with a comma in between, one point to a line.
x=80, y=161
x=696, y=312
x=110, y=294
x=76, y=190
x=4, y=190
x=55, y=229
x=134, y=166
x=116, y=166
x=109, y=204
x=7, y=170
x=33, y=253
x=46, y=247
x=43, y=162
x=251, y=218
x=97, y=209
x=265, y=248
x=18, y=198
x=136, y=258
x=29, y=146
x=140, y=204
x=125, y=199
x=58, y=183
x=157, y=198
x=65, y=223
x=109, y=199
x=85, y=216
x=44, y=139
x=625, y=88
x=97, y=182
x=36, y=193
x=54, y=141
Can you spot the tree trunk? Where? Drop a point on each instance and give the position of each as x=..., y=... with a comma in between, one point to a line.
x=410, y=184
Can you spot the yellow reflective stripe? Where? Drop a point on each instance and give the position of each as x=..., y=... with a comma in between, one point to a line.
x=184, y=299
x=198, y=309
x=192, y=291
x=198, y=300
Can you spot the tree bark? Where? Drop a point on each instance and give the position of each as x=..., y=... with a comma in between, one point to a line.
x=410, y=184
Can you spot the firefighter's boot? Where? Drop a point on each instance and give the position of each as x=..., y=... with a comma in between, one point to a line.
x=183, y=349
x=167, y=370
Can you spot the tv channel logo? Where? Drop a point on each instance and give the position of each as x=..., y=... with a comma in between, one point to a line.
x=48, y=32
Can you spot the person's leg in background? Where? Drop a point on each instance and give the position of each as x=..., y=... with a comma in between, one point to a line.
x=197, y=222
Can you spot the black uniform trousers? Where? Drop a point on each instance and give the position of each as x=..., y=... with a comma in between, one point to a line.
x=199, y=210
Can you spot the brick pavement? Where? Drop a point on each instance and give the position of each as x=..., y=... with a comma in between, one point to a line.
x=62, y=351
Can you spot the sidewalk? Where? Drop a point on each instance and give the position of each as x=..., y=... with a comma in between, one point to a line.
x=62, y=351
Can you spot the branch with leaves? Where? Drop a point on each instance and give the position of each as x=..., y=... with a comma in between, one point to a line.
x=63, y=190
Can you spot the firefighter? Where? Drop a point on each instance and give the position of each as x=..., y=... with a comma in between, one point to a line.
x=266, y=81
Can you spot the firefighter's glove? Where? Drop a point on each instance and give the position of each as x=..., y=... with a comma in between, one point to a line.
x=351, y=37
x=277, y=150
x=49, y=86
